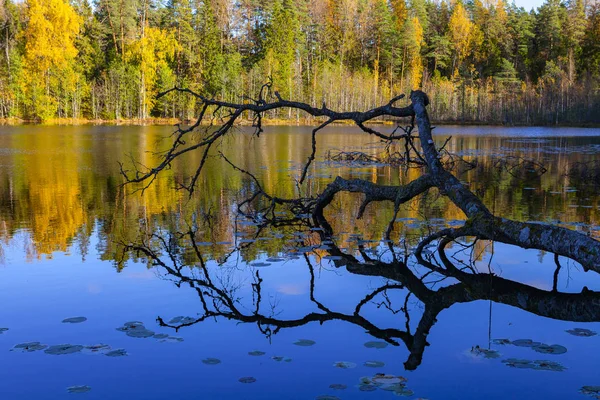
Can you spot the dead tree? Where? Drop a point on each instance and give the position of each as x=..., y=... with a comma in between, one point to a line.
x=217, y=119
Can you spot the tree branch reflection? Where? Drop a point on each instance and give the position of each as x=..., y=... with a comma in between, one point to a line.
x=220, y=297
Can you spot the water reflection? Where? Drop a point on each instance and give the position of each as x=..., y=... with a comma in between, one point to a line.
x=58, y=183
x=436, y=285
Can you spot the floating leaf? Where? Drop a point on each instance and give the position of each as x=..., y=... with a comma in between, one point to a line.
x=2, y=330
x=478, y=351
x=274, y=259
x=384, y=379
x=247, y=379
x=525, y=343
x=337, y=386
x=537, y=364
x=280, y=358
x=172, y=339
x=29, y=347
x=304, y=342
x=501, y=341
x=135, y=329
x=344, y=364
x=582, y=332
x=211, y=361
x=374, y=364
x=160, y=336
x=367, y=388
x=139, y=332
x=376, y=345
x=61, y=349
x=116, y=353
x=553, y=349
x=79, y=389
x=74, y=320
x=256, y=353
x=548, y=366
x=590, y=390
x=327, y=397
x=96, y=348
x=404, y=392
x=518, y=363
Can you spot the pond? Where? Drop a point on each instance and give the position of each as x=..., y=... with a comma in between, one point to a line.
x=111, y=293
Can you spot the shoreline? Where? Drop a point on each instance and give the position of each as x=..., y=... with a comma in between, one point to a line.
x=265, y=122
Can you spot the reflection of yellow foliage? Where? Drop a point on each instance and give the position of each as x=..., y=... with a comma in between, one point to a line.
x=63, y=184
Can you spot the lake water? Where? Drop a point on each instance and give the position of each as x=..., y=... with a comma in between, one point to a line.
x=314, y=309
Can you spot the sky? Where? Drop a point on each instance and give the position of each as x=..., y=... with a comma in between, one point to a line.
x=529, y=4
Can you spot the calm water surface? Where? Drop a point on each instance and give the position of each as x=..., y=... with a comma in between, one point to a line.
x=65, y=221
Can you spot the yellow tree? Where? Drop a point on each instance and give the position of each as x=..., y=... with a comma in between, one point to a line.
x=49, y=53
x=151, y=54
x=414, y=41
x=400, y=12
x=461, y=31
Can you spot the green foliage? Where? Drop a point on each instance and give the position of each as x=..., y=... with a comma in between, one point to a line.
x=109, y=59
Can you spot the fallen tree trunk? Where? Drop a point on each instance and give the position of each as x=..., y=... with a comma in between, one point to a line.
x=480, y=223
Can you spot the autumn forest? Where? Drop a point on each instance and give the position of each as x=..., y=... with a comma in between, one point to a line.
x=482, y=62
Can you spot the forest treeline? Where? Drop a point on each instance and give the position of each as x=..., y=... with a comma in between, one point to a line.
x=480, y=61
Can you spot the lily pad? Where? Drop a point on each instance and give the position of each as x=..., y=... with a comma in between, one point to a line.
x=280, y=358
x=383, y=379
x=140, y=333
x=486, y=353
x=274, y=259
x=338, y=386
x=553, y=349
x=74, y=320
x=582, y=332
x=344, y=364
x=256, y=353
x=501, y=341
x=96, y=348
x=211, y=361
x=376, y=345
x=79, y=389
x=29, y=347
x=61, y=349
x=542, y=365
x=247, y=379
x=172, y=339
x=130, y=325
x=374, y=364
x=367, y=388
x=2, y=330
x=116, y=353
x=160, y=336
x=548, y=366
x=518, y=363
x=403, y=392
x=304, y=342
x=590, y=390
x=525, y=343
